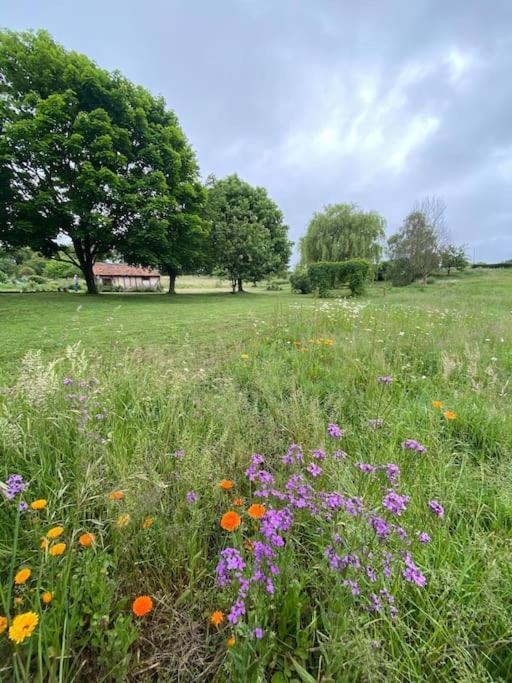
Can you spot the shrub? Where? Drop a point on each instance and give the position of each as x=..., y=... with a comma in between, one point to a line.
x=300, y=281
x=401, y=273
x=326, y=275
x=382, y=272
x=58, y=269
x=25, y=271
x=3, y=276
x=38, y=279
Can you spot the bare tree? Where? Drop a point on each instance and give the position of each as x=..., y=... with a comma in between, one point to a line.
x=434, y=210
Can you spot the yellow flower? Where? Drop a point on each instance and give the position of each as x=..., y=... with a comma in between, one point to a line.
x=18, y=601
x=3, y=623
x=450, y=415
x=44, y=543
x=57, y=549
x=47, y=597
x=231, y=641
x=22, y=626
x=123, y=520
x=244, y=356
x=55, y=532
x=437, y=404
x=39, y=504
x=147, y=522
x=22, y=576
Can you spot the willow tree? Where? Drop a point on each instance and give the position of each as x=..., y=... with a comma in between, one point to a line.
x=86, y=157
x=341, y=232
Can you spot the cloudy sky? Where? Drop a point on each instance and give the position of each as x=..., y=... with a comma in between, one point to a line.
x=375, y=102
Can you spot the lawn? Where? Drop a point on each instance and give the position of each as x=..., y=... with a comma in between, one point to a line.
x=375, y=560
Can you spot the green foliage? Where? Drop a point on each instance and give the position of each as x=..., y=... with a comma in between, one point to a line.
x=341, y=232
x=503, y=264
x=328, y=275
x=86, y=154
x=248, y=236
x=453, y=256
x=414, y=250
x=300, y=281
x=25, y=271
x=59, y=269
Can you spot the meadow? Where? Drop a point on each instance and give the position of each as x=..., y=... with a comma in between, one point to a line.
x=261, y=487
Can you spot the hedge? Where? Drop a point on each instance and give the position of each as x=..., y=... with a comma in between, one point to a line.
x=326, y=275
x=504, y=264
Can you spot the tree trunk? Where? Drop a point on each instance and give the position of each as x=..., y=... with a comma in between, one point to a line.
x=239, y=283
x=89, y=279
x=86, y=260
x=172, y=283
x=233, y=286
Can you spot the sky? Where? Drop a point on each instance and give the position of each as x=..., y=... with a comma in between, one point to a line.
x=377, y=103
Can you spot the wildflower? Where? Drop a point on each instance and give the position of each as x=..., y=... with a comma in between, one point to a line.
x=413, y=445
x=339, y=455
x=436, y=507
x=179, y=454
x=57, y=549
x=142, y=605
x=353, y=585
x=3, y=623
x=47, y=597
x=450, y=415
x=380, y=526
x=39, y=504
x=384, y=379
x=256, y=511
x=365, y=467
x=258, y=633
x=116, y=495
x=55, y=532
x=22, y=576
x=68, y=380
x=147, y=522
x=123, y=520
x=18, y=601
x=191, y=497
x=238, y=502
x=44, y=543
x=217, y=618
x=334, y=431
x=244, y=356
x=15, y=485
x=226, y=484
x=437, y=404
x=87, y=539
x=314, y=470
x=231, y=641
x=412, y=573
x=392, y=472
x=23, y=506
x=230, y=521
x=423, y=537
x=395, y=503
x=23, y=626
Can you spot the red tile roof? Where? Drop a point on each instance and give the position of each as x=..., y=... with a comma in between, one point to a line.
x=122, y=269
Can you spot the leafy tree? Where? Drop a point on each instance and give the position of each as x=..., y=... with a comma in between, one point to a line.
x=59, y=269
x=414, y=250
x=453, y=256
x=249, y=239
x=341, y=232
x=86, y=157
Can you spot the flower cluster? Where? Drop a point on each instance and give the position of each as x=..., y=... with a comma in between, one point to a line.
x=413, y=445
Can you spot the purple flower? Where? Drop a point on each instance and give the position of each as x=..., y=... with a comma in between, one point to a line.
x=412, y=573
x=353, y=585
x=252, y=470
x=314, y=470
x=354, y=506
x=395, y=503
x=436, y=507
x=334, y=431
x=237, y=611
x=258, y=633
x=365, y=467
x=376, y=605
x=319, y=454
x=339, y=455
x=380, y=526
x=384, y=379
x=423, y=537
x=376, y=423
x=334, y=559
x=191, y=497
x=68, y=380
x=15, y=485
x=179, y=454
x=413, y=445
x=22, y=507
x=392, y=472
x=370, y=573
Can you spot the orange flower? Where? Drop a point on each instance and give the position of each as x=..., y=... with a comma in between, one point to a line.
x=87, y=539
x=57, y=549
x=226, y=484
x=256, y=511
x=3, y=623
x=55, y=532
x=142, y=605
x=44, y=543
x=22, y=576
x=437, y=404
x=238, y=502
x=147, y=522
x=230, y=521
x=18, y=601
x=39, y=504
x=116, y=495
x=449, y=415
x=47, y=597
x=231, y=641
x=217, y=618
x=123, y=520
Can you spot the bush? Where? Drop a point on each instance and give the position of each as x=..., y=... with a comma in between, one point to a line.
x=503, y=264
x=382, y=272
x=38, y=264
x=326, y=275
x=3, y=276
x=401, y=273
x=38, y=279
x=300, y=281
x=59, y=270
x=25, y=271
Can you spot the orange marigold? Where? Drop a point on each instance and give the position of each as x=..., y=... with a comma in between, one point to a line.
x=226, y=484
x=3, y=623
x=437, y=404
x=22, y=576
x=256, y=511
x=142, y=605
x=23, y=626
x=57, y=549
x=39, y=504
x=238, y=502
x=231, y=641
x=47, y=597
x=230, y=521
x=55, y=532
x=450, y=415
x=116, y=495
x=147, y=522
x=217, y=618
x=87, y=539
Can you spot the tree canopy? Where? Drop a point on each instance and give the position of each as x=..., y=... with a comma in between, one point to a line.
x=414, y=250
x=341, y=232
x=249, y=239
x=87, y=157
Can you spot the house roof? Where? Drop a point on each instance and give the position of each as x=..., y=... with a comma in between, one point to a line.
x=122, y=269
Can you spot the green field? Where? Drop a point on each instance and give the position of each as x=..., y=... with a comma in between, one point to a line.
x=222, y=377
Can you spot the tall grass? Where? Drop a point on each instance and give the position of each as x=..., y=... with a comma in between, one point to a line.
x=127, y=412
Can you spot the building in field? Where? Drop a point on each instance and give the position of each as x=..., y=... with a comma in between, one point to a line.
x=121, y=277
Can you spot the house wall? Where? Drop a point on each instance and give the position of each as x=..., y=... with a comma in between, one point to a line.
x=129, y=283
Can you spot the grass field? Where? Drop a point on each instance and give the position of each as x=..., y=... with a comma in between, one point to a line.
x=351, y=574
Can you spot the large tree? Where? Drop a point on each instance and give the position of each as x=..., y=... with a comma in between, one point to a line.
x=86, y=157
x=414, y=250
x=248, y=236
x=341, y=232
